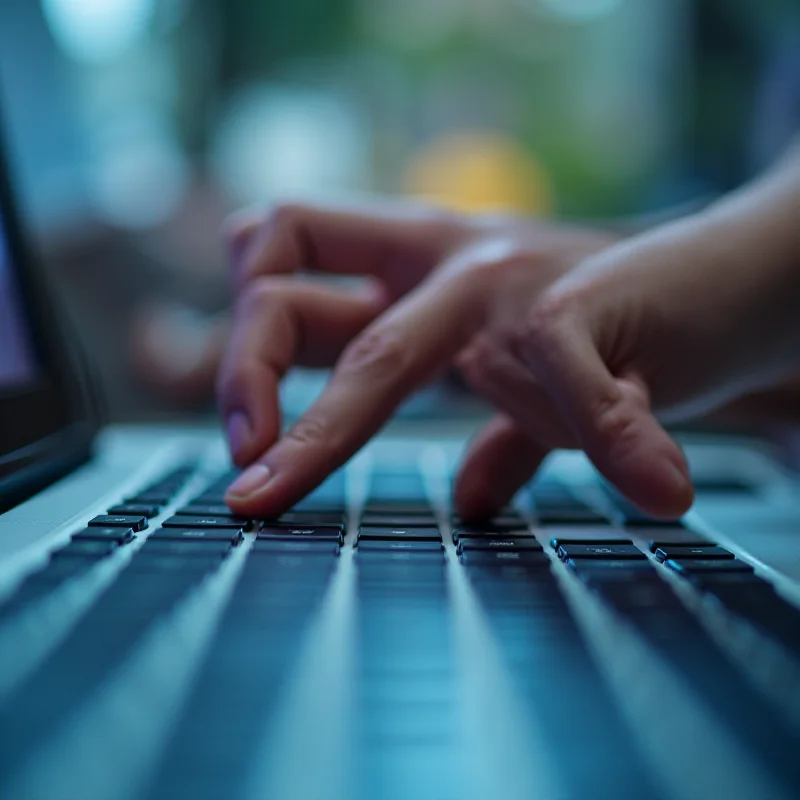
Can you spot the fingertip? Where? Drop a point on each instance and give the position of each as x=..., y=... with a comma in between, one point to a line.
x=654, y=478
x=666, y=487
x=250, y=494
x=681, y=487
x=499, y=461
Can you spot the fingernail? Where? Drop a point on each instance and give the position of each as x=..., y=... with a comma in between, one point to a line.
x=239, y=431
x=250, y=480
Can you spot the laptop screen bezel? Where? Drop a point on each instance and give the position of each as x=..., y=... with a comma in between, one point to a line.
x=40, y=420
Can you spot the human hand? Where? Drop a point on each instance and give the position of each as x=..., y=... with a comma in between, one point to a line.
x=665, y=326
x=435, y=282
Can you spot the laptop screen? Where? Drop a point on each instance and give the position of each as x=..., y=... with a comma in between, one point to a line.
x=18, y=365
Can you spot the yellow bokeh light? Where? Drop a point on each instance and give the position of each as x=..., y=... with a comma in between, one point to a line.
x=479, y=172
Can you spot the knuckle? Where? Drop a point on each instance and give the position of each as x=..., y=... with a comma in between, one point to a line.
x=513, y=252
x=470, y=367
x=495, y=255
x=545, y=321
x=376, y=353
x=283, y=215
x=260, y=296
x=615, y=424
x=476, y=361
x=310, y=430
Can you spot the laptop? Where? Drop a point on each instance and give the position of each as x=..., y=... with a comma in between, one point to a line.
x=369, y=644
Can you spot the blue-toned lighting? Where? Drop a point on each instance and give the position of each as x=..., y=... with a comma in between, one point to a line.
x=97, y=31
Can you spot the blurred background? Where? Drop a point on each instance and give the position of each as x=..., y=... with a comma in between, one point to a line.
x=136, y=126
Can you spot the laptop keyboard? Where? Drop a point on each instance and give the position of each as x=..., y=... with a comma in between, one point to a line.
x=406, y=702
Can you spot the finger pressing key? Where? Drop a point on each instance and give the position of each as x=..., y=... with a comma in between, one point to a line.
x=395, y=355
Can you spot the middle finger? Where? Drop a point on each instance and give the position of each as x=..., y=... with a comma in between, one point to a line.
x=280, y=322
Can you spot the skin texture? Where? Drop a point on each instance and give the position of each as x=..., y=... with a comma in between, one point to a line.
x=579, y=340
x=434, y=282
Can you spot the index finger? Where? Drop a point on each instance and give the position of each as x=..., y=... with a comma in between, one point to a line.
x=395, y=355
x=393, y=240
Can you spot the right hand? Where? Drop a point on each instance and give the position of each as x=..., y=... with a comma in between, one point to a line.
x=668, y=325
x=437, y=284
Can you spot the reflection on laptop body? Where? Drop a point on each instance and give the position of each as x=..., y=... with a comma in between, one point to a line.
x=368, y=644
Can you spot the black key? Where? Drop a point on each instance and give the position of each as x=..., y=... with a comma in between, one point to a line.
x=179, y=473
x=704, y=552
x=398, y=508
x=472, y=533
x=400, y=521
x=185, y=547
x=229, y=522
x=325, y=532
x=195, y=534
x=414, y=560
x=607, y=551
x=298, y=546
x=519, y=531
x=86, y=548
x=400, y=545
x=136, y=523
x=501, y=558
x=505, y=543
x=150, y=498
x=309, y=518
x=500, y=521
x=592, y=570
x=287, y=537
x=421, y=534
x=135, y=510
x=557, y=541
x=118, y=535
x=683, y=539
x=700, y=565
x=204, y=510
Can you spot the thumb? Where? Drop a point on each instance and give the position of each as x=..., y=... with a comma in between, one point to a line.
x=610, y=417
